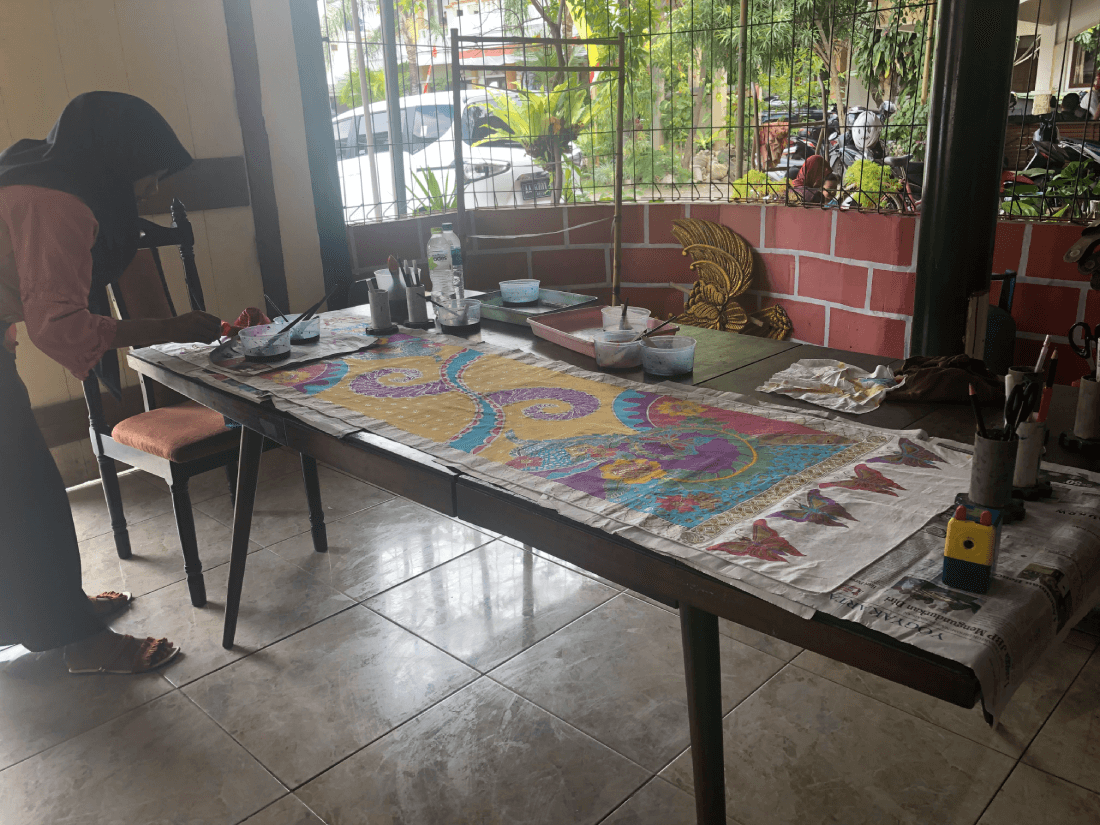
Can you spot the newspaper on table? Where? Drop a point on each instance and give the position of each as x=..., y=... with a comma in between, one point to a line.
x=1046, y=579
x=834, y=384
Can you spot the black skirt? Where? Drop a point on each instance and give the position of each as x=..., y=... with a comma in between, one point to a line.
x=42, y=604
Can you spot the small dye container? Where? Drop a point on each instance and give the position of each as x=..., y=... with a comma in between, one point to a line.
x=523, y=292
x=617, y=349
x=304, y=332
x=459, y=316
x=635, y=316
x=668, y=354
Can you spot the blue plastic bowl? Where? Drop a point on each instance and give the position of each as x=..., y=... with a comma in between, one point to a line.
x=522, y=291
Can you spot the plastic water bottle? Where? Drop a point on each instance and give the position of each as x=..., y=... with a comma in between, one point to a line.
x=439, y=266
x=456, y=259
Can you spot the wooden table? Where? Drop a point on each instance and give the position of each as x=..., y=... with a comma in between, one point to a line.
x=724, y=361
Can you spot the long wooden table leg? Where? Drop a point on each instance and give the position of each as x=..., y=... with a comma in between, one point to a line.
x=703, y=668
x=248, y=472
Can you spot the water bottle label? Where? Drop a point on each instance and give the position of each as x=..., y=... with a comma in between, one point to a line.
x=456, y=256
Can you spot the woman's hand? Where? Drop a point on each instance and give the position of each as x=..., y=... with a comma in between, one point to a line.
x=193, y=327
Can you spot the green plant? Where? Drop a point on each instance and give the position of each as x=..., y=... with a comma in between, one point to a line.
x=544, y=123
x=869, y=183
x=434, y=194
x=754, y=185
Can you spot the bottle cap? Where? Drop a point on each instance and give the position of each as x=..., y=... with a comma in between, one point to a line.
x=437, y=230
x=447, y=227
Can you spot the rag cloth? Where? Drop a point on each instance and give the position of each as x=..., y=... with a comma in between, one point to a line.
x=947, y=378
x=833, y=384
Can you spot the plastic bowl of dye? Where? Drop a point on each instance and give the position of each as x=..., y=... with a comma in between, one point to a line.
x=459, y=316
x=304, y=332
x=264, y=343
x=635, y=316
x=616, y=349
x=521, y=292
x=668, y=354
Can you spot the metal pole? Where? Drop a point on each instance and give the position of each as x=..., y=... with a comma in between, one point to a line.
x=617, y=228
x=975, y=41
x=368, y=120
x=460, y=170
x=742, y=61
x=393, y=103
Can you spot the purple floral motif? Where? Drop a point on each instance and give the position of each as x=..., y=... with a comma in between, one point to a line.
x=581, y=403
x=368, y=384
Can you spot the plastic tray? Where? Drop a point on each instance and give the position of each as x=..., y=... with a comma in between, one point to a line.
x=550, y=300
x=575, y=328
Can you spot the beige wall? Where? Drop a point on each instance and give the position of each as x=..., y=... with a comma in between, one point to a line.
x=176, y=56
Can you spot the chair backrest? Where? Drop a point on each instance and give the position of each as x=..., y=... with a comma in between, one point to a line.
x=142, y=290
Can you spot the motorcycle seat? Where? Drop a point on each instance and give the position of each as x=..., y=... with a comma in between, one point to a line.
x=899, y=160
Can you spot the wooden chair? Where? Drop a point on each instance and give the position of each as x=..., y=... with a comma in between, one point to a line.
x=173, y=441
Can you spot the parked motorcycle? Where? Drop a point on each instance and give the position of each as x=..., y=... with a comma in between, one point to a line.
x=862, y=139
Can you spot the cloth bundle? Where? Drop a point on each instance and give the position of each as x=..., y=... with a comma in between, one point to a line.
x=947, y=378
x=833, y=384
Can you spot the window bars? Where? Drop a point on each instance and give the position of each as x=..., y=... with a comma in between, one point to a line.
x=724, y=100
x=545, y=129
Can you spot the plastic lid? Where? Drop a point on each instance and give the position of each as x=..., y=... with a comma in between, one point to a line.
x=436, y=230
x=447, y=227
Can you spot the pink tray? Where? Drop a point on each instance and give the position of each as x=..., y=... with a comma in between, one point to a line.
x=574, y=328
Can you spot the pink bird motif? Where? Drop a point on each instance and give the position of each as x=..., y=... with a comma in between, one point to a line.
x=909, y=454
x=818, y=509
x=869, y=480
x=765, y=544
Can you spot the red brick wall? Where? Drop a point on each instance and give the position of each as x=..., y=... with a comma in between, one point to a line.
x=846, y=280
x=1050, y=294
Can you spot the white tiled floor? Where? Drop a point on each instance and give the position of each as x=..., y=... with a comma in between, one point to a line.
x=426, y=672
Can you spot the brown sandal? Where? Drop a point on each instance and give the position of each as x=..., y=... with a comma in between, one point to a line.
x=129, y=655
x=109, y=604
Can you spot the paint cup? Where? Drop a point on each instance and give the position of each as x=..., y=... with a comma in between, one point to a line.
x=992, y=469
x=1020, y=375
x=1087, y=422
x=1029, y=453
x=380, y=310
x=417, y=305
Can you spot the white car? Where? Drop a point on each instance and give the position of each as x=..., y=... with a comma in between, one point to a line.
x=497, y=174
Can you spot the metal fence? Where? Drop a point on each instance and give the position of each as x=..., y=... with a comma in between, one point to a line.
x=820, y=103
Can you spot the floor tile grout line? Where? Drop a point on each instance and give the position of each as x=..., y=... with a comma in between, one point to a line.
x=570, y=724
x=424, y=572
x=392, y=730
x=344, y=609
x=1085, y=788
x=479, y=671
x=171, y=689
x=940, y=725
x=903, y=710
x=240, y=744
x=628, y=797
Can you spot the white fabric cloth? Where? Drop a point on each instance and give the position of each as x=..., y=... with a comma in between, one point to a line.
x=834, y=384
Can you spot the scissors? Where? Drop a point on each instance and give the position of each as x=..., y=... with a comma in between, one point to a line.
x=1020, y=405
x=1089, y=338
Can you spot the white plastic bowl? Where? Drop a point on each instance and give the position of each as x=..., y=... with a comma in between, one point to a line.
x=520, y=291
x=616, y=349
x=635, y=316
x=668, y=354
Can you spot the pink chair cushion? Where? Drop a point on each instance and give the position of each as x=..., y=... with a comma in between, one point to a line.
x=180, y=433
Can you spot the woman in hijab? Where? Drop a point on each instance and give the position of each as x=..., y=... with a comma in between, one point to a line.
x=807, y=185
x=68, y=229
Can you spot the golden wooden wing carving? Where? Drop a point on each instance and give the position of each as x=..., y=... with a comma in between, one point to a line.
x=722, y=260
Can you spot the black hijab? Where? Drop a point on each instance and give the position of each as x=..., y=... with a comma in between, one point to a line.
x=100, y=146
